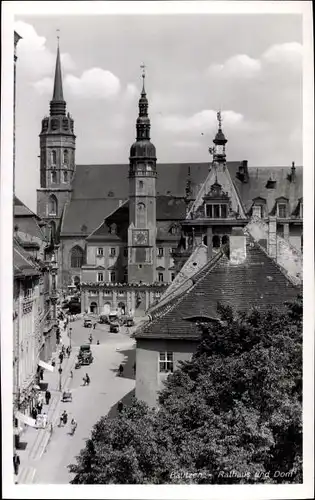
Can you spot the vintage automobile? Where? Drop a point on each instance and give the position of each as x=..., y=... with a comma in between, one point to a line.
x=114, y=328
x=87, y=323
x=129, y=322
x=103, y=318
x=85, y=356
x=67, y=396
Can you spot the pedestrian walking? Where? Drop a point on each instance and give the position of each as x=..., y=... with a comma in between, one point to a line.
x=71, y=374
x=61, y=420
x=16, y=463
x=61, y=357
x=47, y=396
x=94, y=326
x=39, y=407
x=120, y=406
x=41, y=374
x=121, y=370
x=74, y=425
x=87, y=378
x=65, y=417
x=34, y=413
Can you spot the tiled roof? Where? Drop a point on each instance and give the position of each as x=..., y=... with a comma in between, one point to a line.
x=256, y=186
x=22, y=264
x=82, y=216
x=29, y=226
x=258, y=282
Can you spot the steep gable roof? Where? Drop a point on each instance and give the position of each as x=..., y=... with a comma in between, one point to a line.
x=257, y=282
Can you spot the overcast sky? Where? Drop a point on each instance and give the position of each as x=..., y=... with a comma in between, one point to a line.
x=249, y=66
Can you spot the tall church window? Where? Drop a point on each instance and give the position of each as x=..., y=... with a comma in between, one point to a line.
x=52, y=205
x=53, y=157
x=65, y=176
x=53, y=177
x=66, y=157
x=76, y=257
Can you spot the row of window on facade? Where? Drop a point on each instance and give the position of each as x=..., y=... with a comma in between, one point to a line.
x=113, y=277
x=160, y=251
x=53, y=157
x=220, y=211
x=64, y=177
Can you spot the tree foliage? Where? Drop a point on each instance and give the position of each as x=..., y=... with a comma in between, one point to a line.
x=230, y=415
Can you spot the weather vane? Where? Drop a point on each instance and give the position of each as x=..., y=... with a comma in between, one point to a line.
x=143, y=67
x=58, y=36
x=219, y=118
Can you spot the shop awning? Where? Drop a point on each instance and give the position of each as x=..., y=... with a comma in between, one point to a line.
x=25, y=419
x=46, y=366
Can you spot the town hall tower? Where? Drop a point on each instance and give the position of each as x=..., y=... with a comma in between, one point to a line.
x=142, y=200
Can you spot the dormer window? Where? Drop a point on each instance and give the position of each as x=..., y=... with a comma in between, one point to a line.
x=257, y=211
x=216, y=211
x=282, y=210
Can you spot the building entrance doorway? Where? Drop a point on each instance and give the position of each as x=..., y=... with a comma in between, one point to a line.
x=93, y=307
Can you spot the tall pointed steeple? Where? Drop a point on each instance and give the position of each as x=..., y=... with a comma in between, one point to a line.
x=58, y=104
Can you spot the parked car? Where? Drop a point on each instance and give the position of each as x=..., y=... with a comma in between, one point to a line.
x=104, y=319
x=87, y=323
x=114, y=328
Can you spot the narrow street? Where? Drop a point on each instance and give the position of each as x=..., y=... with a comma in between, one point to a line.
x=89, y=402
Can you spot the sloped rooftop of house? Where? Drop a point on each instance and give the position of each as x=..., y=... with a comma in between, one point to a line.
x=257, y=282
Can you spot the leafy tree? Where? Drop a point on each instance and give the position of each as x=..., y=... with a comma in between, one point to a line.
x=230, y=415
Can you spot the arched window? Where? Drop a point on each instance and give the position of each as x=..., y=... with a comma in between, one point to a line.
x=66, y=157
x=52, y=205
x=76, y=257
x=53, y=157
x=93, y=307
x=141, y=215
x=216, y=241
x=65, y=176
x=53, y=176
x=225, y=239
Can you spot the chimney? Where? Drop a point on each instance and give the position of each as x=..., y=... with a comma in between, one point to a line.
x=292, y=175
x=237, y=246
x=242, y=173
x=272, y=237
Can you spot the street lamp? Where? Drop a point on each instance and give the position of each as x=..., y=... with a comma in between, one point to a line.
x=60, y=372
x=70, y=334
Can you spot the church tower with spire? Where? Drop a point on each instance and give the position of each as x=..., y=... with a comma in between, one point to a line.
x=142, y=200
x=57, y=157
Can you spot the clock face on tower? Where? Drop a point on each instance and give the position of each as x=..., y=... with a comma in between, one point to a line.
x=140, y=236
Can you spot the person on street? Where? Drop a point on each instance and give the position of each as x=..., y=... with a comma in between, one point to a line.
x=90, y=338
x=73, y=426
x=121, y=370
x=34, y=413
x=39, y=407
x=47, y=396
x=61, y=357
x=63, y=350
x=41, y=374
x=65, y=417
x=71, y=374
x=120, y=406
x=68, y=351
x=94, y=326
x=61, y=420
x=16, y=463
x=87, y=378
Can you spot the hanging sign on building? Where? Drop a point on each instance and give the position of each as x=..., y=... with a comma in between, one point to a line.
x=46, y=366
x=25, y=419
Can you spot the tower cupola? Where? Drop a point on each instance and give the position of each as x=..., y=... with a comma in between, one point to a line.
x=219, y=141
x=142, y=148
